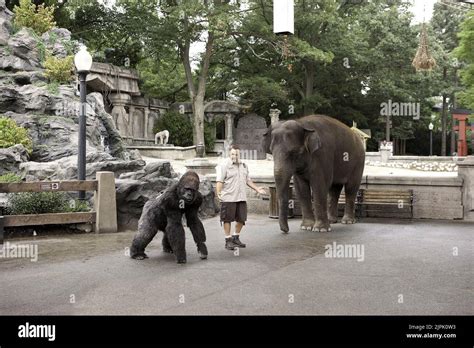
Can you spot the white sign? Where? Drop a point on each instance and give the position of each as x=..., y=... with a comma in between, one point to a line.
x=283, y=17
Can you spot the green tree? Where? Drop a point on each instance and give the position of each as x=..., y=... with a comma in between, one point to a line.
x=177, y=25
x=465, y=52
x=445, y=27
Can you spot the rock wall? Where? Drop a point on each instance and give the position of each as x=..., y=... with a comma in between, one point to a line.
x=50, y=114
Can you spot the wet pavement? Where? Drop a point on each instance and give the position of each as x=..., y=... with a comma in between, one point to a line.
x=402, y=267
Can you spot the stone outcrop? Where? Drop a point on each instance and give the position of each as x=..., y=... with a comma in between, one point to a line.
x=58, y=42
x=11, y=158
x=5, y=23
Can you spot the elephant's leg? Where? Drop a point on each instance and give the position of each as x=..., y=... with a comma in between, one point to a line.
x=351, y=188
x=303, y=192
x=333, y=198
x=320, y=205
x=349, y=210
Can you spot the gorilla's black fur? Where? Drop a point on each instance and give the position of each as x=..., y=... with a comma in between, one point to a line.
x=165, y=214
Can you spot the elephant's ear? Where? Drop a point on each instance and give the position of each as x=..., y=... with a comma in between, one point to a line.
x=312, y=141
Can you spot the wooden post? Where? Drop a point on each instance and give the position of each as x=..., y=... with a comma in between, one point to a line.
x=105, y=203
x=1, y=229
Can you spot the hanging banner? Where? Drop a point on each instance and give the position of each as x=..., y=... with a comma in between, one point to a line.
x=283, y=17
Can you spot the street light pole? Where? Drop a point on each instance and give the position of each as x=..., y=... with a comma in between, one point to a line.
x=81, y=153
x=83, y=63
x=431, y=142
x=431, y=138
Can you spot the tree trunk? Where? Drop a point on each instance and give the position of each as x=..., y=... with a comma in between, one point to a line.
x=198, y=113
x=387, y=128
x=443, y=119
x=197, y=94
x=309, y=86
x=454, y=104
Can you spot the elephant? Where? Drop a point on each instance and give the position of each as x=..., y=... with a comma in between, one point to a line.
x=323, y=155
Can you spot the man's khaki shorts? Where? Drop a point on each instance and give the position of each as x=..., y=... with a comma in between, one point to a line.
x=234, y=211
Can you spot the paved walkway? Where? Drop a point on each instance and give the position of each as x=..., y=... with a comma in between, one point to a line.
x=406, y=268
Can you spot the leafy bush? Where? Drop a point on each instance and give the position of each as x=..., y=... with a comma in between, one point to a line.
x=9, y=178
x=78, y=206
x=60, y=70
x=53, y=88
x=11, y=134
x=181, y=130
x=42, y=203
x=39, y=18
x=37, y=202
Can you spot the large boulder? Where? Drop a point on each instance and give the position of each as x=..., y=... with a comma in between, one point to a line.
x=66, y=168
x=27, y=98
x=11, y=158
x=209, y=207
x=5, y=23
x=58, y=42
x=53, y=137
x=152, y=171
x=23, y=52
x=24, y=97
x=132, y=196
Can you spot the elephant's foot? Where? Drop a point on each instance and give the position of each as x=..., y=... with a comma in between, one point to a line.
x=332, y=219
x=284, y=227
x=347, y=219
x=307, y=225
x=322, y=226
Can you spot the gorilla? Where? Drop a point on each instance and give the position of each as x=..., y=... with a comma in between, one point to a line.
x=165, y=213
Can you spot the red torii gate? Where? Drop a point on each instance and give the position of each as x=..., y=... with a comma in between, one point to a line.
x=462, y=116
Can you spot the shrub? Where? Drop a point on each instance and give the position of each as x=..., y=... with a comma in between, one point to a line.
x=78, y=206
x=9, y=178
x=39, y=18
x=11, y=134
x=37, y=202
x=53, y=88
x=59, y=70
x=181, y=129
x=42, y=203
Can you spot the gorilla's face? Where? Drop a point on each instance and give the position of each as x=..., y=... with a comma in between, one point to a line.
x=187, y=194
x=188, y=187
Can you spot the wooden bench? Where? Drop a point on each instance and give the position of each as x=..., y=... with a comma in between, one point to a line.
x=386, y=203
x=368, y=202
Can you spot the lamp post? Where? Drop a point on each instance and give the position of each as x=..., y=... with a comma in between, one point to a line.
x=83, y=63
x=430, y=127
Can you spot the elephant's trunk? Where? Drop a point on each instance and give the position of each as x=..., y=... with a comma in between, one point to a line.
x=282, y=181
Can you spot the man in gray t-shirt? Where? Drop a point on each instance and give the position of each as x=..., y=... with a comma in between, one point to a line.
x=232, y=179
